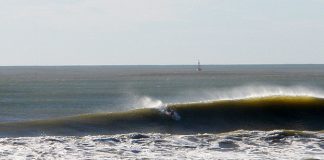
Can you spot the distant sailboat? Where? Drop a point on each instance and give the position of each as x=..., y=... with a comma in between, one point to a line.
x=199, y=66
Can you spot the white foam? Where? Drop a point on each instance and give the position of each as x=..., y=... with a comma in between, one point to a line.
x=240, y=145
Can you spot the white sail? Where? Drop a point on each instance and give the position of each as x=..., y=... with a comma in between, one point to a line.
x=199, y=67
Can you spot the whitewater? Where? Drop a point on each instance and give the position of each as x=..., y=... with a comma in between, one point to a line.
x=241, y=144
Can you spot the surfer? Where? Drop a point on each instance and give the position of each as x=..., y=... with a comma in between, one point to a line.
x=171, y=113
x=168, y=111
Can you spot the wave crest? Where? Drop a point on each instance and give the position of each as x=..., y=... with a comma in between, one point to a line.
x=253, y=91
x=267, y=113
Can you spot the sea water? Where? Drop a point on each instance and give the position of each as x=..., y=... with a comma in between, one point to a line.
x=55, y=93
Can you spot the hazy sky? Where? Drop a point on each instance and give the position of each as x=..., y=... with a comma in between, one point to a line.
x=109, y=32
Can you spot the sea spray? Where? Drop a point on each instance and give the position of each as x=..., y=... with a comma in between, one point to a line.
x=149, y=102
x=250, y=91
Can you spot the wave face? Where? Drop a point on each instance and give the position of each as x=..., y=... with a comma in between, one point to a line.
x=264, y=113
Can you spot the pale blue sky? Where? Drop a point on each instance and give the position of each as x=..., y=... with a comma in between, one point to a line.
x=110, y=32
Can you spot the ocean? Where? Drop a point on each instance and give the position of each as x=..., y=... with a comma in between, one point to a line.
x=162, y=112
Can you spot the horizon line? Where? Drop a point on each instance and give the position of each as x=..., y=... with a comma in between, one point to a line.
x=233, y=64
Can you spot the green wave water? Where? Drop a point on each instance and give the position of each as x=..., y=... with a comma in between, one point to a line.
x=263, y=113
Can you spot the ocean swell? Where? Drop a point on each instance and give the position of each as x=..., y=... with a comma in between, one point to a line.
x=262, y=113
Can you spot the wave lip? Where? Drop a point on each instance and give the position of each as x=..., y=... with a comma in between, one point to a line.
x=257, y=91
x=263, y=113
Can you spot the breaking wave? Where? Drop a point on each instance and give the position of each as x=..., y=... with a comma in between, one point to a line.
x=252, y=91
x=259, y=113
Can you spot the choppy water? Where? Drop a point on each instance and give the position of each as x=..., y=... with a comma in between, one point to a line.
x=91, y=112
x=233, y=145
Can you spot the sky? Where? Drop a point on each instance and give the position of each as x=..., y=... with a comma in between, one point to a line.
x=161, y=32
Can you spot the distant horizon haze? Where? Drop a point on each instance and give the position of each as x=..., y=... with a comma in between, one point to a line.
x=194, y=64
x=161, y=32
